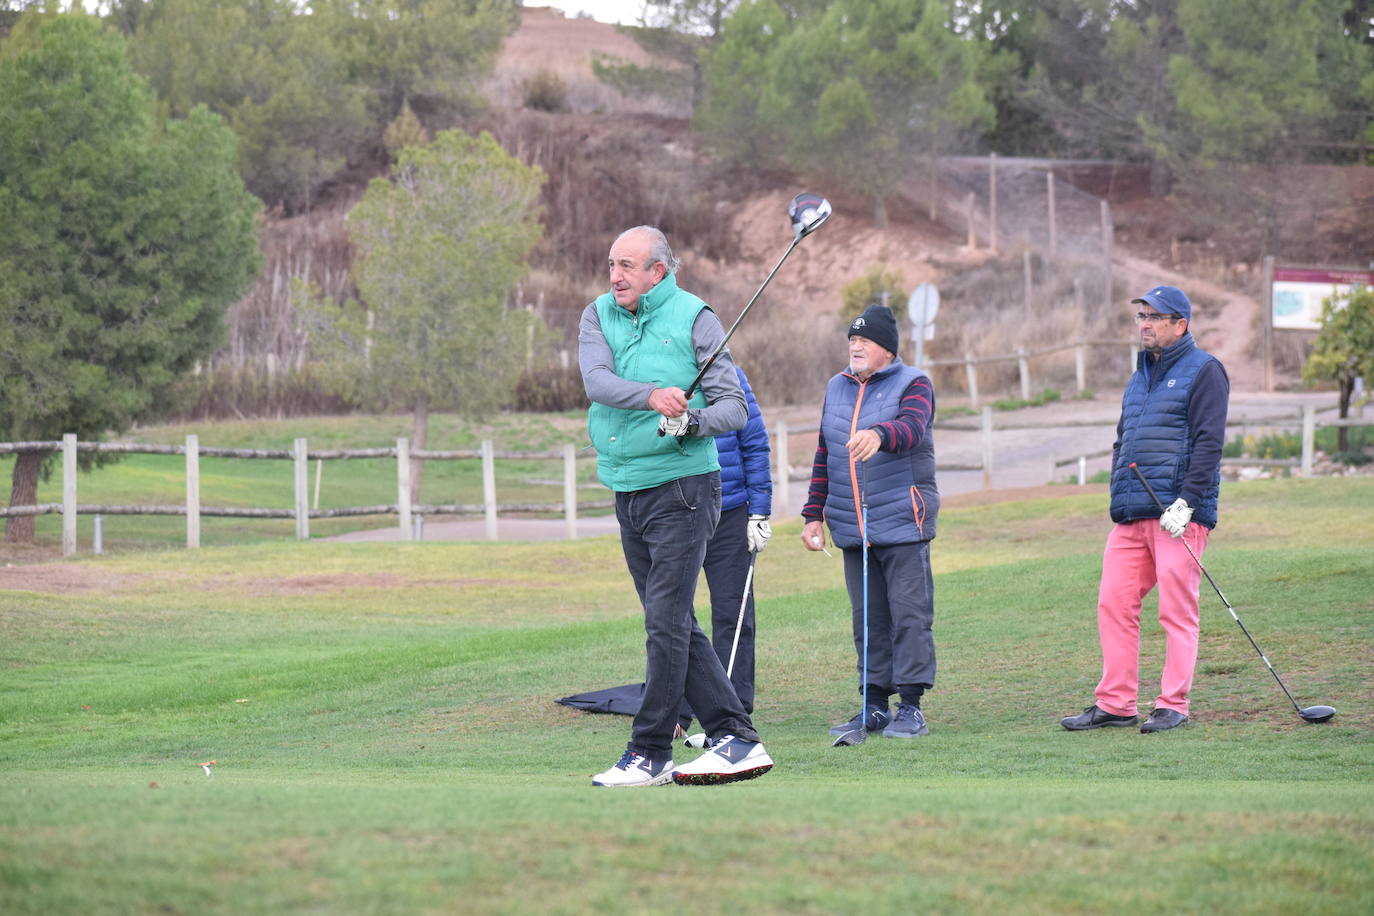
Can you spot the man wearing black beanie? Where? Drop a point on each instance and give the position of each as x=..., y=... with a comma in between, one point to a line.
x=873, y=480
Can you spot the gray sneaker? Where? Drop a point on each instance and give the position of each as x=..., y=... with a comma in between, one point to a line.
x=875, y=721
x=910, y=723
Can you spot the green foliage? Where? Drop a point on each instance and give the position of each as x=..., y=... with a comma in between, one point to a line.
x=546, y=91
x=405, y=130
x=125, y=239
x=735, y=73
x=861, y=292
x=1048, y=396
x=1289, y=445
x=311, y=88
x=440, y=245
x=855, y=93
x=1344, y=348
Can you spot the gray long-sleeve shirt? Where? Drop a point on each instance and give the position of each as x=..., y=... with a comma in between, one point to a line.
x=726, y=410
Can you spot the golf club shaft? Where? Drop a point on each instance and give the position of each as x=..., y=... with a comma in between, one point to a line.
x=730, y=333
x=1234, y=616
x=739, y=621
x=863, y=536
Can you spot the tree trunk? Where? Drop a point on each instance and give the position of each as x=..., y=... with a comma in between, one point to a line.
x=1343, y=433
x=419, y=436
x=24, y=492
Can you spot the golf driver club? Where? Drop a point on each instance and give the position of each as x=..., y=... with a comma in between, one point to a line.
x=807, y=212
x=739, y=622
x=860, y=735
x=1311, y=713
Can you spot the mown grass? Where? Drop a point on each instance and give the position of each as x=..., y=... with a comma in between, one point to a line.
x=386, y=741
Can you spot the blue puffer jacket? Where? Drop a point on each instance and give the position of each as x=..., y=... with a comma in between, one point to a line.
x=1156, y=436
x=745, y=472
x=903, y=499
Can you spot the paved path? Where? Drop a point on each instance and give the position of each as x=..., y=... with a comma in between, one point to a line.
x=1021, y=459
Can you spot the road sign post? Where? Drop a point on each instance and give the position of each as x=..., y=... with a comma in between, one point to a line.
x=921, y=309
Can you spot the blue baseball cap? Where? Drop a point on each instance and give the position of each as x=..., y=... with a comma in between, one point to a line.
x=1168, y=299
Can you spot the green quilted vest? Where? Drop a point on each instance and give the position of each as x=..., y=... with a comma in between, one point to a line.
x=653, y=345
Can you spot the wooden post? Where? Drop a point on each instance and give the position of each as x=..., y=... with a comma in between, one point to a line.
x=1135, y=355
x=782, y=495
x=987, y=448
x=192, y=492
x=968, y=218
x=971, y=372
x=570, y=489
x=98, y=535
x=68, y=494
x=1309, y=433
x=302, y=467
x=1023, y=364
x=403, y=488
x=1107, y=254
x=319, y=473
x=1054, y=227
x=489, y=488
x=1080, y=366
x=992, y=201
x=1267, y=322
x=1082, y=470
x=1026, y=284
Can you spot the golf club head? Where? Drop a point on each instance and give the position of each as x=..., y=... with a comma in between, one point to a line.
x=1317, y=713
x=852, y=737
x=808, y=211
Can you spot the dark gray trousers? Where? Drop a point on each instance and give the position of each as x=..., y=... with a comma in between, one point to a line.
x=664, y=531
x=901, y=612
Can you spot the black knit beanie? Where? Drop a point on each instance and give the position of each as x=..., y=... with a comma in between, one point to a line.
x=878, y=325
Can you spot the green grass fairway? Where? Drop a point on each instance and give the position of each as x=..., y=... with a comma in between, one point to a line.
x=386, y=741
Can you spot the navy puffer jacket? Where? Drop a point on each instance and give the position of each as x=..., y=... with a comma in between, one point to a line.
x=745, y=461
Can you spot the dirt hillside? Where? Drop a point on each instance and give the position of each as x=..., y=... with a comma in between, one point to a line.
x=1225, y=293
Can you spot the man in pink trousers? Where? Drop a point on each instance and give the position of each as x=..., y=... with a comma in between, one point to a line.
x=1172, y=427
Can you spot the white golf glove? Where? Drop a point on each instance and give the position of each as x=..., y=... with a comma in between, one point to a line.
x=1175, y=518
x=678, y=427
x=759, y=532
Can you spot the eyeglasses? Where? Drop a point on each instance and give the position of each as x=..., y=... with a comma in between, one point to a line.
x=1154, y=317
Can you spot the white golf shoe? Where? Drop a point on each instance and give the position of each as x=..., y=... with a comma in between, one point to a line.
x=635, y=771
x=730, y=759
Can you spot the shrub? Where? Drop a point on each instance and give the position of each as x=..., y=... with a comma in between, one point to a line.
x=546, y=91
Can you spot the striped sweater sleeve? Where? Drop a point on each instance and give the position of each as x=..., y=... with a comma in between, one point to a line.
x=908, y=429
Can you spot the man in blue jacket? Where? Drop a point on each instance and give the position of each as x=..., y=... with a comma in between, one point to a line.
x=1172, y=427
x=876, y=445
x=746, y=502
x=639, y=349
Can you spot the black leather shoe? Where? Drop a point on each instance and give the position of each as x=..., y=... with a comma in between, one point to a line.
x=1162, y=720
x=1092, y=717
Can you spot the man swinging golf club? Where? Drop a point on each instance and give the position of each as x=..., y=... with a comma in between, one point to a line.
x=878, y=413
x=1171, y=431
x=639, y=347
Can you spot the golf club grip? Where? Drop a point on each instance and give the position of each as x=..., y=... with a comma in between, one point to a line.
x=1148, y=489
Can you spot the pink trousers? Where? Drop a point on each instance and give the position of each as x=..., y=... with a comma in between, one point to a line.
x=1139, y=556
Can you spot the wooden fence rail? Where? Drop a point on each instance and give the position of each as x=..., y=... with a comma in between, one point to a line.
x=1307, y=420
x=410, y=516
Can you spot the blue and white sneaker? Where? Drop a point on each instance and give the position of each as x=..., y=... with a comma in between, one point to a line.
x=634, y=770
x=730, y=759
